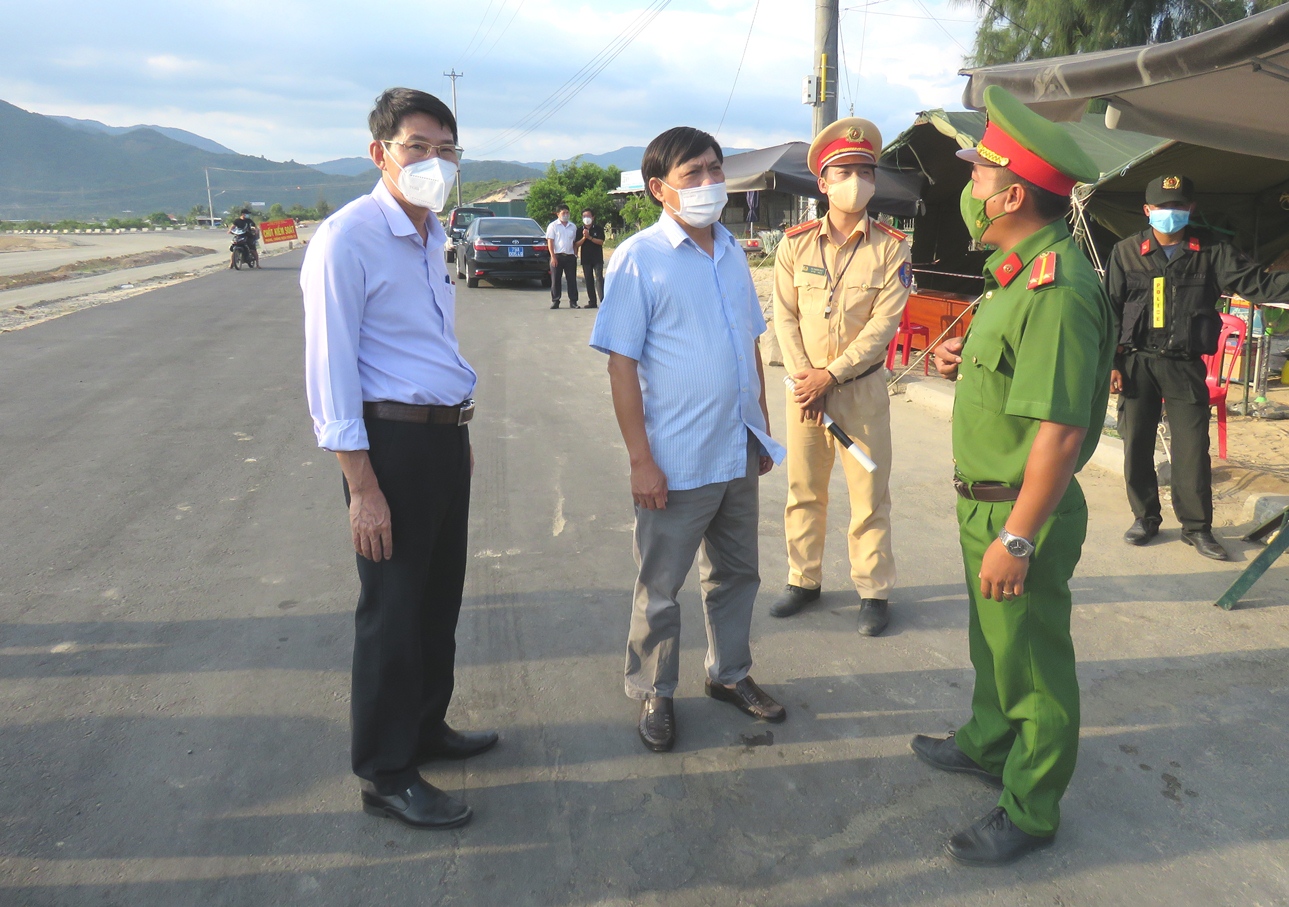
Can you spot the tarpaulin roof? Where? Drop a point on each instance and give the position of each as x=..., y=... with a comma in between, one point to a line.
x=783, y=168
x=1224, y=88
x=1242, y=196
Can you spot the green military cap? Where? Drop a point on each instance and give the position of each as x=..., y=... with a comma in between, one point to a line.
x=1029, y=145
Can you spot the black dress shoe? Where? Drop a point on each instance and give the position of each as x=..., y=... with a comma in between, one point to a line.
x=455, y=745
x=874, y=615
x=943, y=753
x=1202, y=541
x=993, y=841
x=657, y=724
x=592, y=305
x=554, y=305
x=749, y=698
x=1141, y=531
x=420, y=806
x=793, y=599
x=574, y=305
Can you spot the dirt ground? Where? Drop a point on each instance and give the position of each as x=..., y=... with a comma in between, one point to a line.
x=32, y=243
x=99, y=266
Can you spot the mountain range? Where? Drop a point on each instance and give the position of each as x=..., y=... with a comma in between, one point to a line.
x=56, y=167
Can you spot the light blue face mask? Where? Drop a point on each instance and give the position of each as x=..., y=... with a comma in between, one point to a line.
x=1168, y=220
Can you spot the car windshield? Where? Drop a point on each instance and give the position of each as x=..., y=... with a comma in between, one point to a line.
x=463, y=218
x=510, y=226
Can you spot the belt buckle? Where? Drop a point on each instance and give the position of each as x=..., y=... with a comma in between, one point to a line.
x=466, y=413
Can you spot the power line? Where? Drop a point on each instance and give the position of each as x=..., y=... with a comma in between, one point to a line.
x=501, y=34
x=470, y=43
x=742, y=56
x=941, y=26
x=575, y=83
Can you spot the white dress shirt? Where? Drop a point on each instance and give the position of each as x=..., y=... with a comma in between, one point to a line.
x=562, y=237
x=379, y=319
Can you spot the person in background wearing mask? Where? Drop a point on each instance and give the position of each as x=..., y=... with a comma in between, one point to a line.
x=1165, y=283
x=390, y=393
x=680, y=329
x=840, y=287
x=561, y=242
x=590, y=242
x=1032, y=379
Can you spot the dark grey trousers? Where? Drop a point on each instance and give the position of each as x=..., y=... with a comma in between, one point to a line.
x=718, y=523
x=1150, y=384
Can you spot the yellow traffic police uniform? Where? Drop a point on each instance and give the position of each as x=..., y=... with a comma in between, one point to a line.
x=837, y=308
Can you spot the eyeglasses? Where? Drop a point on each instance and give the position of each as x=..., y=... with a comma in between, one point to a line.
x=419, y=151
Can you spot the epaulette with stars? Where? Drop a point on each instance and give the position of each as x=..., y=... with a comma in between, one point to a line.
x=899, y=237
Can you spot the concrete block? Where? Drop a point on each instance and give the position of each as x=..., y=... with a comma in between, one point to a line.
x=1260, y=506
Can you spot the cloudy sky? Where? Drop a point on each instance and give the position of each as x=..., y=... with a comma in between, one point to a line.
x=294, y=79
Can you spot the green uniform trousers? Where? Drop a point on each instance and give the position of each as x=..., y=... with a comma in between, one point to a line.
x=1025, y=708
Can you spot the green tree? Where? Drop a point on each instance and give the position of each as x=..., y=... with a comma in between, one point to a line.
x=1016, y=30
x=640, y=212
x=577, y=185
x=276, y=211
x=322, y=208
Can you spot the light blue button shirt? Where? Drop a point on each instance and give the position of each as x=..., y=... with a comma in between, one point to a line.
x=379, y=319
x=691, y=321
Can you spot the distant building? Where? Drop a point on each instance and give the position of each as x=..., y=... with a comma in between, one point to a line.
x=509, y=201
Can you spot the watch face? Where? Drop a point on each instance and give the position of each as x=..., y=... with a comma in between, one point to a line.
x=1017, y=547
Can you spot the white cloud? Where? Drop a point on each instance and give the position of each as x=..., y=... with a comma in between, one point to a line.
x=300, y=82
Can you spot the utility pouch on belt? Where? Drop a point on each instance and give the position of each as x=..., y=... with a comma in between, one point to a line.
x=1205, y=329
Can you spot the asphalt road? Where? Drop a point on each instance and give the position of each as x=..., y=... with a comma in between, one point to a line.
x=175, y=628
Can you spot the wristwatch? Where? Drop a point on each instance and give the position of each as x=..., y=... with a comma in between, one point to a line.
x=1015, y=545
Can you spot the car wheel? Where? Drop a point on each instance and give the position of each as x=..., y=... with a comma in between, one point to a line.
x=452, y=256
x=460, y=273
x=472, y=282
x=546, y=281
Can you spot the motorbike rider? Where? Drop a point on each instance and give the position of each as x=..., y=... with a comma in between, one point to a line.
x=244, y=232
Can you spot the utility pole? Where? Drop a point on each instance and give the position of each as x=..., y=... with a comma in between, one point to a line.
x=454, y=75
x=210, y=205
x=827, y=19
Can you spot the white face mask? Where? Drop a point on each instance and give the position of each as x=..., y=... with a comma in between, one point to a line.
x=426, y=183
x=587, y=220
x=563, y=218
x=851, y=195
x=701, y=206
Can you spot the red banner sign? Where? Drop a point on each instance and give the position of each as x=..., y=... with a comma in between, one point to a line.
x=277, y=231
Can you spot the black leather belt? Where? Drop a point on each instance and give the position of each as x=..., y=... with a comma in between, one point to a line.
x=864, y=374
x=422, y=414
x=986, y=492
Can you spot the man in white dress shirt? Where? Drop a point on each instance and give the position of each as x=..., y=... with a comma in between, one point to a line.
x=389, y=393
x=561, y=236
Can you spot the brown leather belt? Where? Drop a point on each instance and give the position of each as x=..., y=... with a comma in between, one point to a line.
x=986, y=492
x=423, y=415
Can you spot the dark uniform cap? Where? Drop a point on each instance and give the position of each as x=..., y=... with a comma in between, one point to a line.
x=1030, y=146
x=1164, y=189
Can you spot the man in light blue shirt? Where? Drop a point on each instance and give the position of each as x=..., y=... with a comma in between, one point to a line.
x=389, y=393
x=680, y=321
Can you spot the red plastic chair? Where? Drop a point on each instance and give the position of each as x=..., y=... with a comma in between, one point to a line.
x=903, y=338
x=1230, y=343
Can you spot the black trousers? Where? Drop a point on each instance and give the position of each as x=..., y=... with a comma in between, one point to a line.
x=593, y=274
x=1178, y=384
x=405, y=624
x=566, y=267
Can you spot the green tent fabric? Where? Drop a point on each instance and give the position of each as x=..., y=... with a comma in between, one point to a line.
x=1241, y=196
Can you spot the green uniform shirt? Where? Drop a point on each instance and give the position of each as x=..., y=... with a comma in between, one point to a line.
x=1039, y=349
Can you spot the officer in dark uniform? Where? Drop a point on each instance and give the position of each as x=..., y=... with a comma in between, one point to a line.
x=1164, y=284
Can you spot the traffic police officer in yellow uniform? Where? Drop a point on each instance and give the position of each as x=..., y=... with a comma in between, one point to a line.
x=1033, y=378
x=840, y=286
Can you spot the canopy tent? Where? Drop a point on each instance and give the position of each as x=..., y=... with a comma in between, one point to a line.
x=1225, y=88
x=1242, y=196
x=783, y=168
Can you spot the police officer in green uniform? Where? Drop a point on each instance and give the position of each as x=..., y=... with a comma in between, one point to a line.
x=1033, y=378
x=1164, y=284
